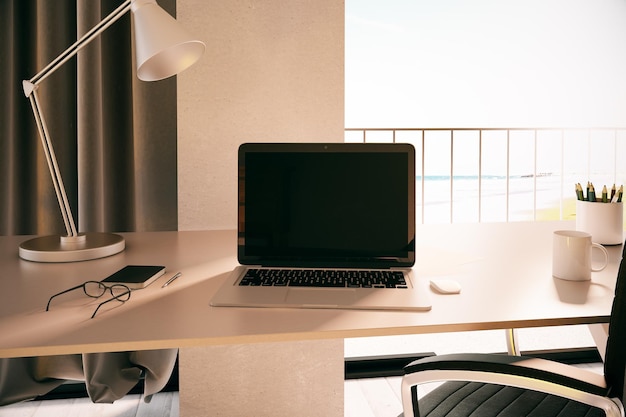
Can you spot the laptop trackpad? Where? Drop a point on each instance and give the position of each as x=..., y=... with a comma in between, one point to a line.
x=320, y=296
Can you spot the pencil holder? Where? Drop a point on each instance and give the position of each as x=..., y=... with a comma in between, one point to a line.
x=603, y=221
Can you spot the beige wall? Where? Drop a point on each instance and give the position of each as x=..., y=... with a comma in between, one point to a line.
x=273, y=71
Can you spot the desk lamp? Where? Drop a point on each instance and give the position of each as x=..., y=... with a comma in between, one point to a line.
x=162, y=49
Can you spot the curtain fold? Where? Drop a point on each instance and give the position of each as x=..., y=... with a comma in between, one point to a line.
x=114, y=136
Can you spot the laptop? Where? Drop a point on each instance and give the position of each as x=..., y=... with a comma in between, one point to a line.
x=325, y=225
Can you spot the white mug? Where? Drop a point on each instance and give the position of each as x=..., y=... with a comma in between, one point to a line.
x=571, y=255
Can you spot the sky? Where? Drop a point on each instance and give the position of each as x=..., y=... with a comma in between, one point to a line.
x=485, y=63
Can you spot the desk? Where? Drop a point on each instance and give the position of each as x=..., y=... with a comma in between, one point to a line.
x=504, y=270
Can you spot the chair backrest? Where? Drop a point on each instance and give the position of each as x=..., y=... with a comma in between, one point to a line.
x=615, y=358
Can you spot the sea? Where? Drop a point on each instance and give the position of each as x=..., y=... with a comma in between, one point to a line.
x=493, y=198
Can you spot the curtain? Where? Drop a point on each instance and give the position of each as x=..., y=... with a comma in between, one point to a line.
x=114, y=136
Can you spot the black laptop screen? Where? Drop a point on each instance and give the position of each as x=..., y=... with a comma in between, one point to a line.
x=327, y=205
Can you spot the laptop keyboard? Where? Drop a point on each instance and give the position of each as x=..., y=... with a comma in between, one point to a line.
x=324, y=278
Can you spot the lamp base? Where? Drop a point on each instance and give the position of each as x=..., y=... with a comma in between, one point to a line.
x=84, y=247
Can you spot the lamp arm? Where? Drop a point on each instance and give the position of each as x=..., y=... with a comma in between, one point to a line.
x=71, y=51
x=30, y=90
x=55, y=173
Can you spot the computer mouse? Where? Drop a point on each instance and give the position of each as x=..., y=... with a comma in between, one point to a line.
x=445, y=286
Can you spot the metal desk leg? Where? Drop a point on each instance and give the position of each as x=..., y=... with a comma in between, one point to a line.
x=600, y=333
x=511, y=342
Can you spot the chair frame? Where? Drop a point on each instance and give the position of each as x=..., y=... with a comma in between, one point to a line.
x=518, y=371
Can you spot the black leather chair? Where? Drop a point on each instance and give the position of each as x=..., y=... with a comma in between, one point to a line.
x=486, y=385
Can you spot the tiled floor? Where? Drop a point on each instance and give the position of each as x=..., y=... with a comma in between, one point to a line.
x=162, y=405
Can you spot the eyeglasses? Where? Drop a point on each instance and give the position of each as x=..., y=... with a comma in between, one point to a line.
x=96, y=289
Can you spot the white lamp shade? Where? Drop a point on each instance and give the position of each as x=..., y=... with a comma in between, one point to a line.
x=162, y=47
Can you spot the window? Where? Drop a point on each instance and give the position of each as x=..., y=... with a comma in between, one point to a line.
x=511, y=102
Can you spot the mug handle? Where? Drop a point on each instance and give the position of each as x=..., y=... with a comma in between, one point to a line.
x=606, y=256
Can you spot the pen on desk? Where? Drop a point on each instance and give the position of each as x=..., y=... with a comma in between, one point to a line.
x=169, y=281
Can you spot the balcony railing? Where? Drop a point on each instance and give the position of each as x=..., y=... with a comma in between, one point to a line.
x=505, y=174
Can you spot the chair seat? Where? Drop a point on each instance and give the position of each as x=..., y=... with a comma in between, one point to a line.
x=464, y=399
